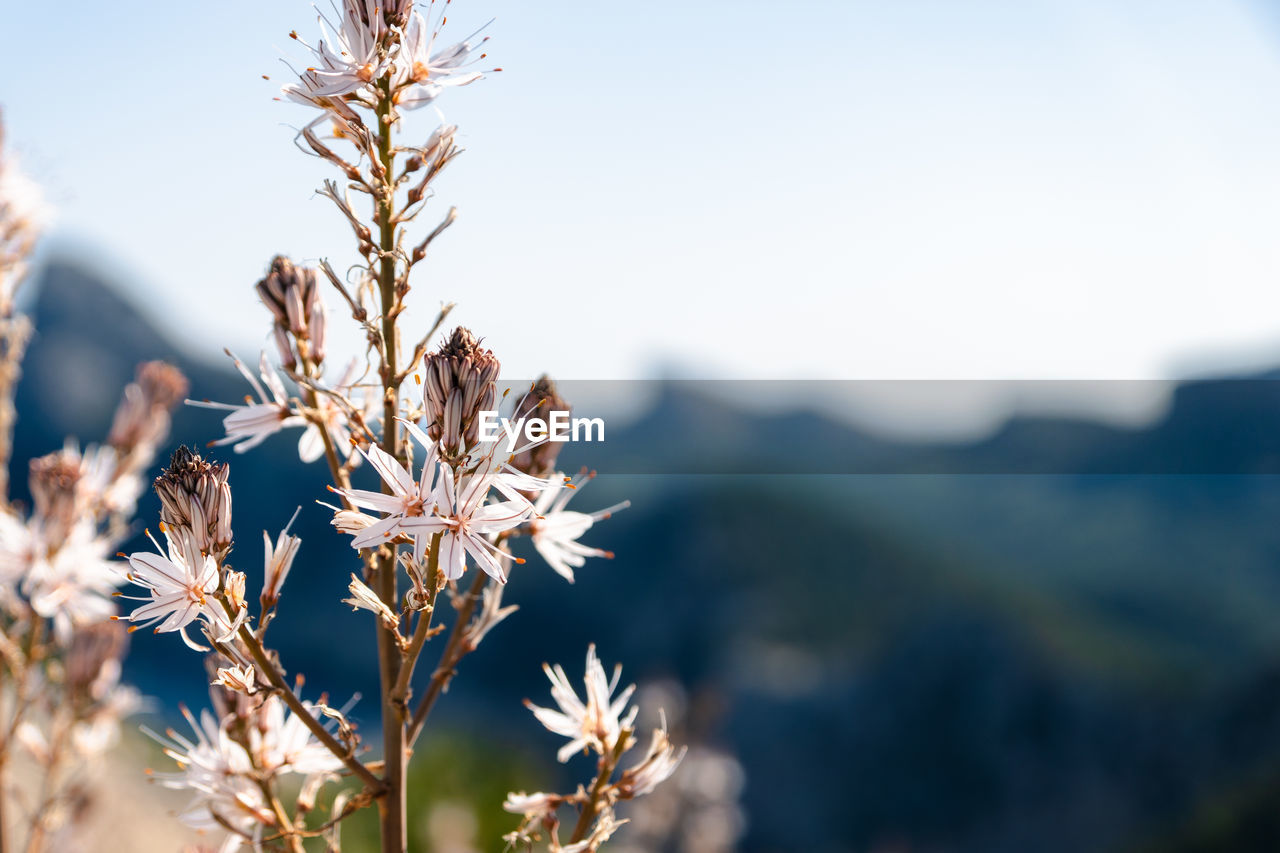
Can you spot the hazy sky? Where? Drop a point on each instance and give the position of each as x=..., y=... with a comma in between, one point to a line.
x=811, y=189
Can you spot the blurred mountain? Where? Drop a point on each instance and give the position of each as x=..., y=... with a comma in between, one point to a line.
x=1061, y=637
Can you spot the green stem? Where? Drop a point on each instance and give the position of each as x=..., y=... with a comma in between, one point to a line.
x=392, y=807
x=423, y=630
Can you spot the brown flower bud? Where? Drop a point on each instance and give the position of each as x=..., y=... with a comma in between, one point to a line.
x=142, y=419
x=94, y=658
x=292, y=294
x=195, y=496
x=461, y=381
x=55, y=480
x=539, y=402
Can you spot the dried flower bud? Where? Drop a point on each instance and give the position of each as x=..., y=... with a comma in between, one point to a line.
x=142, y=419
x=95, y=649
x=461, y=381
x=55, y=481
x=195, y=496
x=292, y=294
x=539, y=402
x=363, y=598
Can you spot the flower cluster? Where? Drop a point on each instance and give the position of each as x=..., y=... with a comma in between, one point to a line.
x=230, y=766
x=61, y=700
x=600, y=723
x=424, y=495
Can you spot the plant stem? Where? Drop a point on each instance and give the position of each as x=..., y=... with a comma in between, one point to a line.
x=392, y=807
x=607, y=765
x=454, y=651
x=420, y=633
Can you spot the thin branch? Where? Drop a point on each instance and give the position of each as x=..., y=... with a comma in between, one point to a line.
x=267, y=668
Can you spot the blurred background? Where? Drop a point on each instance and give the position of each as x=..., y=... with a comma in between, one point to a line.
x=969, y=614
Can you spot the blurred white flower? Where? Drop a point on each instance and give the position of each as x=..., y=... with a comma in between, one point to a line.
x=282, y=743
x=556, y=531
x=596, y=724
x=69, y=581
x=218, y=770
x=656, y=767
x=536, y=805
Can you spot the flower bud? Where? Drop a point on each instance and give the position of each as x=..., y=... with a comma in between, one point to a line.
x=55, y=481
x=461, y=381
x=292, y=294
x=142, y=419
x=195, y=496
x=539, y=402
x=95, y=651
x=235, y=590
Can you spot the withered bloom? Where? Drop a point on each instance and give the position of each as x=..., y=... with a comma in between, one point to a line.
x=195, y=497
x=461, y=381
x=539, y=402
x=142, y=418
x=55, y=482
x=95, y=649
x=292, y=294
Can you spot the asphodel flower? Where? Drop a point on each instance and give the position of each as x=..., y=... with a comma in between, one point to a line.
x=594, y=724
x=183, y=587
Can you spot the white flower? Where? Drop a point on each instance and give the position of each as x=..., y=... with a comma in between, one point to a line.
x=555, y=530
x=346, y=61
x=238, y=679
x=409, y=499
x=278, y=561
x=596, y=724
x=218, y=771
x=655, y=768
x=283, y=743
x=335, y=417
x=252, y=423
x=68, y=581
x=183, y=587
x=363, y=598
x=535, y=805
x=466, y=522
x=422, y=75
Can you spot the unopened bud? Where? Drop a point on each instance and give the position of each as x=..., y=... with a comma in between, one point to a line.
x=55, y=480
x=461, y=381
x=195, y=496
x=235, y=590
x=292, y=294
x=539, y=402
x=142, y=419
x=96, y=650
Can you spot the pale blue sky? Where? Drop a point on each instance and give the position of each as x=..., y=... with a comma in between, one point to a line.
x=813, y=189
